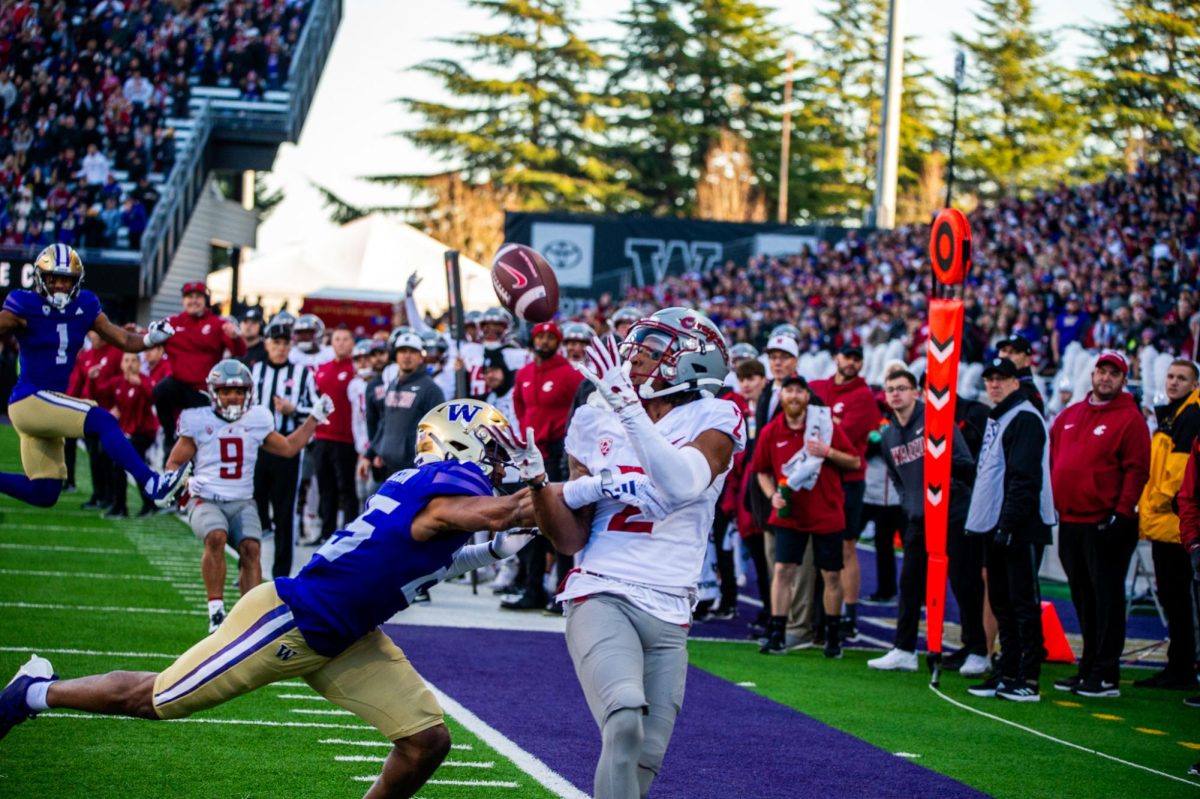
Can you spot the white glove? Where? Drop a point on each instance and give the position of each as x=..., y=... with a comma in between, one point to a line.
x=602, y=365
x=638, y=490
x=157, y=333
x=525, y=455
x=322, y=409
x=414, y=280
x=509, y=542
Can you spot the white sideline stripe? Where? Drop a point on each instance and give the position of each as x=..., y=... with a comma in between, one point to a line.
x=321, y=712
x=83, y=575
x=751, y=601
x=312, y=697
x=100, y=608
x=91, y=652
x=63, y=548
x=385, y=744
x=465, y=783
x=1039, y=734
x=445, y=763
x=240, y=722
x=527, y=762
x=290, y=684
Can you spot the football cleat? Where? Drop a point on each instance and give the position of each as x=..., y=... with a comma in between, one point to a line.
x=165, y=488
x=214, y=621
x=13, y=707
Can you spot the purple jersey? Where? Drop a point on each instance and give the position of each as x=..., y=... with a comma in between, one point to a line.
x=366, y=573
x=50, y=339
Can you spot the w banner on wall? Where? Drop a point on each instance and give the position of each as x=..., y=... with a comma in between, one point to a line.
x=594, y=254
x=950, y=255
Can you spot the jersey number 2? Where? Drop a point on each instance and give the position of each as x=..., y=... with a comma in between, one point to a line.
x=231, y=458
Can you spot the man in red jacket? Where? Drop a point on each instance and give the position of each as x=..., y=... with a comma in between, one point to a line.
x=334, y=452
x=857, y=413
x=132, y=394
x=94, y=370
x=1188, y=503
x=201, y=340
x=1099, y=464
x=543, y=393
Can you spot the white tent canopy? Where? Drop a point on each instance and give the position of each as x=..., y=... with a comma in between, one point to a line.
x=369, y=259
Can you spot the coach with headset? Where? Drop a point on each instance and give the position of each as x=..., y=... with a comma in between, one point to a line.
x=287, y=389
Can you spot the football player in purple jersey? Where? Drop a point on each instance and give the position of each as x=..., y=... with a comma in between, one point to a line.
x=50, y=324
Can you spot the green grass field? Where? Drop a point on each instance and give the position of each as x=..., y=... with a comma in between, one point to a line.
x=95, y=595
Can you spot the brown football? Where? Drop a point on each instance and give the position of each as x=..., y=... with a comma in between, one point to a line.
x=525, y=283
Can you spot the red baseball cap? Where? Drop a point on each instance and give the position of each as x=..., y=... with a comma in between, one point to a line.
x=195, y=287
x=547, y=327
x=1114, y=359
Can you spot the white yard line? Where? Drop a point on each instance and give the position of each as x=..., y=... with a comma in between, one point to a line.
x=100, y=608
x=463, y=783
x=308, y=697
x=445, y=763
x=42, y=650
x=237, y=722
x=80, y=550
x=384, y=744
x=309, y=712
x=83, y=575
x=527, y=762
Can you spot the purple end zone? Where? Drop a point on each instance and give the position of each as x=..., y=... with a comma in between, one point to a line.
x=728, y=741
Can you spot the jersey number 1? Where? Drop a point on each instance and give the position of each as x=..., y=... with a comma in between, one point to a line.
x=231, y=458
x=61, y=357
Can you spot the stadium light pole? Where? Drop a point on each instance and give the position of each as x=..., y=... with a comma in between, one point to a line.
x=960, y=71
x=785, y=148
x=883, y=211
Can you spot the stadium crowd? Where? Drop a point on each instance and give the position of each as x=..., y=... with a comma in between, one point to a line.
x=87, y=92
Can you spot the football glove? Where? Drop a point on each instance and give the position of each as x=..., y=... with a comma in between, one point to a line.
x=414, y=280
x=322, y=409
x=525, y=454
x=158, y=332
x=509, y=542
x=602, y=366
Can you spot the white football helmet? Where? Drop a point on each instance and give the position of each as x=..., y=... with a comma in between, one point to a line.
x=690, y=350
x=230, y=373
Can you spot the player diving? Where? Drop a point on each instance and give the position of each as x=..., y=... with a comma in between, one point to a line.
x=323, y=624
x=50, y=324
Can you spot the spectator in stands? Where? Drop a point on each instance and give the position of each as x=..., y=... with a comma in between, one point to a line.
x=134, y=409
x=903, y=448
x=1100, y=456
x=1012, y=506
x=201, y=340
x=797, y=462
x=1178, y=424
x=95, y=167
x=543, y=395
x=334, y=451
x=853, y=406
x=133, y=217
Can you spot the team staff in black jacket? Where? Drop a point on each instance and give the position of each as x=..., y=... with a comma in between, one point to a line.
x=1013, y=506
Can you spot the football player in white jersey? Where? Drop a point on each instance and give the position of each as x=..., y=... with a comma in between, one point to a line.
x=356, y=393
x=308, y=336
x=648, y=457
x=223, y=440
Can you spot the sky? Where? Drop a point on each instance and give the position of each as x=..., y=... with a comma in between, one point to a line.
x=352, y=125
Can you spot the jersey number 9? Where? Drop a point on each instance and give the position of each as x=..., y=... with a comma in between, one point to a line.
x=232, y=450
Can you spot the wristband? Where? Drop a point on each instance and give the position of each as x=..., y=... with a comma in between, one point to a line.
x=538, y=483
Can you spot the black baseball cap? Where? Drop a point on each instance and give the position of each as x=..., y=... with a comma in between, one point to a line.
x=1017, y=344
x=851, y=350
x=1003, y=367
x=252, y=315
x=794, y=380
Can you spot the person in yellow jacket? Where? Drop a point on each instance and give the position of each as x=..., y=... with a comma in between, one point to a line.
x=1158, y=521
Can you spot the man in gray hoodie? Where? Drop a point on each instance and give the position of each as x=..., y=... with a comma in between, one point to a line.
x=393, y=412
x=903, y=446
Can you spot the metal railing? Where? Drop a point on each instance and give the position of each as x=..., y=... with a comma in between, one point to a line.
x=237, y=119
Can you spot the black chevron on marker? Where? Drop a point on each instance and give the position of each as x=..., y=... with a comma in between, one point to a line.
x=941, y=345
x=939, y=393
x=937, y=441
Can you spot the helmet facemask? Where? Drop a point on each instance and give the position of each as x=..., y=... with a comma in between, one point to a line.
x=57, y=300
x=234, y=410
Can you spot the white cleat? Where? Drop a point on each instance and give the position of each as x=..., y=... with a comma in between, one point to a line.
x=166, y=487
x=975, y=666
x=895, y=660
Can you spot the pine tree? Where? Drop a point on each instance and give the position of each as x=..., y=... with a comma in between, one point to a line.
x=688, y=70
x=1019, y=127
x=1145, y=75
x=529, y=122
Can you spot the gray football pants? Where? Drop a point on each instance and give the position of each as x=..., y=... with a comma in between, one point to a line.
x=632, y=667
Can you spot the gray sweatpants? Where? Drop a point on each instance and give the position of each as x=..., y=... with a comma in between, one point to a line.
x=632, y=668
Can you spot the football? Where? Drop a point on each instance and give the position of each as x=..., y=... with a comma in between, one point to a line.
x=525, y=283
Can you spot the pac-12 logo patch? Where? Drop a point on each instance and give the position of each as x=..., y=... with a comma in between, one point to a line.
x=606, y=445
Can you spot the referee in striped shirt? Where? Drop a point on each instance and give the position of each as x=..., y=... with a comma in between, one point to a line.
x=287, y=389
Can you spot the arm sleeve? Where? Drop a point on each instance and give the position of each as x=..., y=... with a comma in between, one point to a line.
x=415, y=319
x=469, y=558
x=1189, y=504
x=680, y=474
x=1023, y=444
x=1135, y=465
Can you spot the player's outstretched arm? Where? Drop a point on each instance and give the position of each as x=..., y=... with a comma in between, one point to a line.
x=567, y=529
x=470, y=514
x=9, y=322
x=129, y=341
x=290, y=445
x=183, y=452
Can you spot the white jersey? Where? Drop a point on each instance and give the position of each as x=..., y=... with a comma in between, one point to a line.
x=356, y=395
x=312, y=360
x=226, y=452
x=472, y=355
x=655, y=565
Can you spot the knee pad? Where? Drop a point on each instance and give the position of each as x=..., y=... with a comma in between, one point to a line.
x=44, y=492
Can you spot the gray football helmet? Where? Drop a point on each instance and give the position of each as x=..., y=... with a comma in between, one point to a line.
x=690, y=349
x=230, y=373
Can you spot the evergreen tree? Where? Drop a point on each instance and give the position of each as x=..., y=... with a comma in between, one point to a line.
x=530, y=123
x=1019, y=127
x=688, y=70
x=1145, y=75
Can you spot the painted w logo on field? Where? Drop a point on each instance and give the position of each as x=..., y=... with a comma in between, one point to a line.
x=467, y=412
